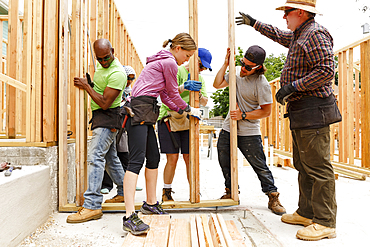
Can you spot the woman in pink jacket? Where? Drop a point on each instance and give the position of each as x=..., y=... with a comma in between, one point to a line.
x=158, y=78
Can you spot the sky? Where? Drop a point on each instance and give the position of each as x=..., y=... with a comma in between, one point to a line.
x=151, y=22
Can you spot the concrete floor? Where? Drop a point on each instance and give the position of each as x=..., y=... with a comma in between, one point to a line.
x=256, y=223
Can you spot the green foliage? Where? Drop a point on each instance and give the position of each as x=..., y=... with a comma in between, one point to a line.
x=221, y=101
x=274, y=66
x=220, y=98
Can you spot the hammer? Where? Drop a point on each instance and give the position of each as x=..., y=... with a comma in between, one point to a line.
x=165, y=120
x=129, y=112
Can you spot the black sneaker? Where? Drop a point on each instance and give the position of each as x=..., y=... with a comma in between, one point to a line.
x=134, y=225
x=154, y=209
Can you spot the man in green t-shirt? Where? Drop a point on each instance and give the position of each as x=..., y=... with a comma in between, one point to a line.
x=179, y=124
x=109, y=82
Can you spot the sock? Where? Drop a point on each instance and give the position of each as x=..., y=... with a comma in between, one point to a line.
x=167, y=186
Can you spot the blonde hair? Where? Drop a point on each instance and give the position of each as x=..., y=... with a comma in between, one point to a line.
x=184, y=40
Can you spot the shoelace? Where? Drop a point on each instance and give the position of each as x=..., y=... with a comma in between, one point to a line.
x=160, y=207
x=137, y=221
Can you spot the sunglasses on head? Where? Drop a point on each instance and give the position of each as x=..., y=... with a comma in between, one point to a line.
x=131, y=78
x=247, y=67
x=106, y=58
x=287, y=11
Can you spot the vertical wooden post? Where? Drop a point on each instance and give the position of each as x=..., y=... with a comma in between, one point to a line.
x=106, y=19
x=93, y=32
x=194, y=102
x=50, y=72
x=341, y=68
x=232, y=104
x=12, y=67
x=63, y=103
x=350, y=107
x=27, y=61
x=75, y=71
x=357, y=113
x=365, y=103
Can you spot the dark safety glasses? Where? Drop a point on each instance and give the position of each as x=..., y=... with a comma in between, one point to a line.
x=247, y=67
x=106, y=58
x=131, y=78
x=287, y=11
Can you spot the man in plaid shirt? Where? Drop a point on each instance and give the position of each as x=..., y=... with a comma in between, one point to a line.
x=306, y=84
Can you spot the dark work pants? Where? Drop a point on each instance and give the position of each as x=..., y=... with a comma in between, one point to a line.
x=252, y=149
x=143, y=146
x=316, y=180
x=107, y=181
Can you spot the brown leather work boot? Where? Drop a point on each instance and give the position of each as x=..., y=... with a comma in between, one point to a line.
x=296, y=219
x=227, y=194
x=84, y=214
x=315, y=232
x=166, y=195
x=274, y=203
x=116, y=199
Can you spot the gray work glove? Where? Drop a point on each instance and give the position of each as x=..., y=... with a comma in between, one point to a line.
x=284, y=93
x=245, y=19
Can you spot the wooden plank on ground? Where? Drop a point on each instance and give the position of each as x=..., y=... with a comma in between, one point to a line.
x=216, y=232
x=235, y=234
x=193, y=232
x=159, y=231
x=179, y=233
x=137, y=241
x=200, y=230
x=225, y=232
x=207, y=232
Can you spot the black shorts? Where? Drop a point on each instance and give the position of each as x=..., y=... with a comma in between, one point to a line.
x=165, y=142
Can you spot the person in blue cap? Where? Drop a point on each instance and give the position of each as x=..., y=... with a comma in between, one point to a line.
x=179, y=124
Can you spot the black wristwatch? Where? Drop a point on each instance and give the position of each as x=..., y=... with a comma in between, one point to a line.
x=244, y=115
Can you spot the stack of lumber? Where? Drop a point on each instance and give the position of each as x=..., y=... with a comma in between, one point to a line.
x=195, y=231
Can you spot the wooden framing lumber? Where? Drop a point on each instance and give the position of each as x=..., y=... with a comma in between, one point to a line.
x=200, y=230
x=12, y=67
x=235, y=234
x=37, y=48
x=159, y=232
x=207, y=232
x=175, y=205
x=63, y=103
x=13, y=82
x=27, y=61
x=350, y=106
x=365, y=102
x=179, y=233
x=194, y=102
x=232, y=104
x=193, y=232
x=49, y=101
x=216, y=232
x=225, y=232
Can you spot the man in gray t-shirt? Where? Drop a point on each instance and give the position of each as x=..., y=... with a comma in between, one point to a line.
x=254, y=100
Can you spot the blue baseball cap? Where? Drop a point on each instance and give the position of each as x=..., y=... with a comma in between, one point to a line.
x=205, y=57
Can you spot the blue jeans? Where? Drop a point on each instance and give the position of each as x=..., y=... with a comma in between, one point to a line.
x=252, y=149
x=102, y=155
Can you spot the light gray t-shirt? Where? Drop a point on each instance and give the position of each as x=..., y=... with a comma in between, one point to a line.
x=251, y=92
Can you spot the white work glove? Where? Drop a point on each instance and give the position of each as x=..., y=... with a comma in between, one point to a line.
x=195, y=112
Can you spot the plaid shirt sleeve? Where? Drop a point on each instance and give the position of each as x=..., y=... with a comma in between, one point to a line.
x=284, y=38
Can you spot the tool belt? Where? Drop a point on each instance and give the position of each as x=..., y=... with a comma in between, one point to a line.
x=146, y=110
x=178, y=122
x=313, y=112
x=111, y=118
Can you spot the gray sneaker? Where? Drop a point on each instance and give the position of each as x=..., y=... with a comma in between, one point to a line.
x=135, y=225
x=152, y=209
